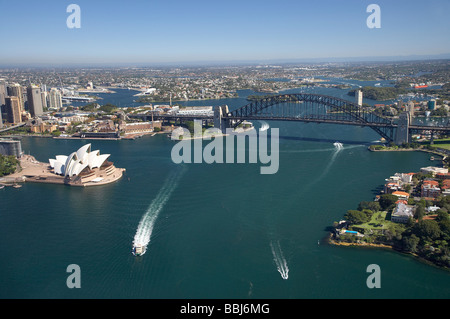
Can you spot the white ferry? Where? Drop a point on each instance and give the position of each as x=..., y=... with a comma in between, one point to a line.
x=139, y=250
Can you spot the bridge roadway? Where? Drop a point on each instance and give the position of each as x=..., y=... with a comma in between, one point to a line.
x=307, y=119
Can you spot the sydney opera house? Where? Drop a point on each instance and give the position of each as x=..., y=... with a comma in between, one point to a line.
x=85, y=167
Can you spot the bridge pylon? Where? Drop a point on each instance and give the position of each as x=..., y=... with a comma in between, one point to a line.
x=402, y=134
x=220, y=120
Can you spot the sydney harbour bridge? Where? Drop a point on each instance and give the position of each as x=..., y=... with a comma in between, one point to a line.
x=312, y=108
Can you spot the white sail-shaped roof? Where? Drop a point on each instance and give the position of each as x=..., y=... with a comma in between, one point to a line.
x=99, y=160
x=61, y=158
x=83, y=152
x=76, y=162
x=59, y=168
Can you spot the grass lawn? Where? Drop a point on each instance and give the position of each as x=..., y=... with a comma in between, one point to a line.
x=377, y=222
x=442, y=143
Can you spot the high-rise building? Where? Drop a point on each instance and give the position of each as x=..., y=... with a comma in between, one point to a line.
x=359, y=97
x=34, y=100
x=13, y=110
x=3, y=93
x=16, y=90
x=2, y=101
x=54, y=99
x=44, y=99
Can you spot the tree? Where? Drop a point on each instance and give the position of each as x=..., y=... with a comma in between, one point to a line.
x=410, y=243
x=420, y=212
x=56, y=133
x=356, y=217
x=427, y=230
x=387, y=201
x=373, y=206
x=441, y=215
x=8, y=164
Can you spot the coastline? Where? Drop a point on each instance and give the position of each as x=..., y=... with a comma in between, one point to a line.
x=331, y=234
x=439, y=152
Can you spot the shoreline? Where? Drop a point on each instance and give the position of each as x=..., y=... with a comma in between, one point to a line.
x=435, y=152
x=331, y=240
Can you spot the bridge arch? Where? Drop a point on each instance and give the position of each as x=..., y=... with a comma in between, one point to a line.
x=307, y=107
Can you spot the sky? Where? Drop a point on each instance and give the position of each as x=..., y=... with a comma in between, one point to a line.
x=175, y=31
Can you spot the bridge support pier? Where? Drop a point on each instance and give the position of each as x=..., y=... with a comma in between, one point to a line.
x=219, y=121
x=402, y=134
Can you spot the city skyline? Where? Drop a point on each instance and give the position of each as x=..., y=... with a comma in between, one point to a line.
x=143, y=32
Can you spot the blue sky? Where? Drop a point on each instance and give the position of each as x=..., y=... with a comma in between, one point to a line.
x=136, y=31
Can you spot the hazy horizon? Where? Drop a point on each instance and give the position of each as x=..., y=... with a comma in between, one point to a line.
x=203, y=32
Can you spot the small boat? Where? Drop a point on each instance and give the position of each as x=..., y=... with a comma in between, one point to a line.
x=432, y=158
x=1, y=186
x=17, y=186
x=139, y=250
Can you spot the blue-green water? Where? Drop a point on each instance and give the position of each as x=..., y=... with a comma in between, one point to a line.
x=221, y=231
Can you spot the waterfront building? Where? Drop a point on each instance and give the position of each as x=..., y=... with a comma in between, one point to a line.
x=139, y=127
x=34, y=101
x=402, y=213
x=85, y=167
x=16, y=90
x=434, y=170
x=13, y=110
x=391, y=187
x=196, y=110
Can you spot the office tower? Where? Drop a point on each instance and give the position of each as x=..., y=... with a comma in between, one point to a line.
x=34, y=100
x=13, y=110
x=359, y=97
x=16, y=90
x=3, y=93
x=2, y=101
x=54, y=99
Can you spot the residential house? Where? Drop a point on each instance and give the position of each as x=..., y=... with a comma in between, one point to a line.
x=402, y=213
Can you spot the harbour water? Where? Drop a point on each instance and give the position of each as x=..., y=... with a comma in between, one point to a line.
x=217, y=230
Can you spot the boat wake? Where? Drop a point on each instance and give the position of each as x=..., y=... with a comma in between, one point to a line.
x=264, y=126
x=147, y=222
x=338, y=146
x=279, y=259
